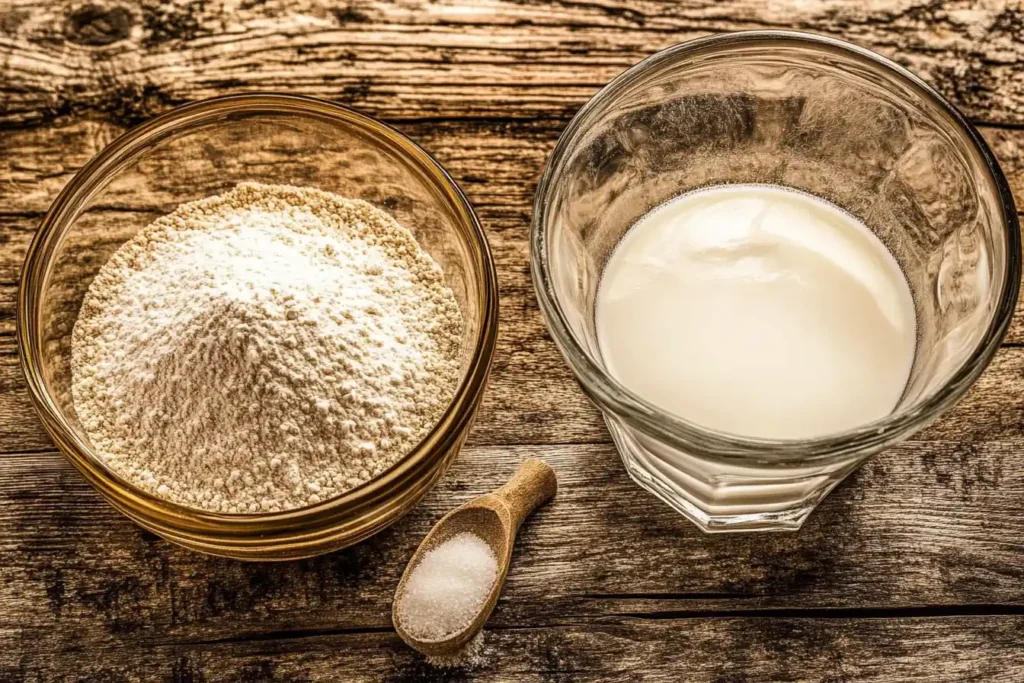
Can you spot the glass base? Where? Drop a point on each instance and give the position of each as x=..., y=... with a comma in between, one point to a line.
x=720, y=496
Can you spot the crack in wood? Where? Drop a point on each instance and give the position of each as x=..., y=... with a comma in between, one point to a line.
x=834, y=613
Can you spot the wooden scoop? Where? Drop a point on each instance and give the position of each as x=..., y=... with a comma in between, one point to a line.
x=495, y=518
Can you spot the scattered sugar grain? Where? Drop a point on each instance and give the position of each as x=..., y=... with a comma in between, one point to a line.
x=471, y=656
x=448, y=587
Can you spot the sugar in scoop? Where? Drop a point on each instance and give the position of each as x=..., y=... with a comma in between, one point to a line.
x=453, y=580
x=446, y=590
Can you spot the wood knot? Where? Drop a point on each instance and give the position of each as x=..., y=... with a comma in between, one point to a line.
x=96, y=25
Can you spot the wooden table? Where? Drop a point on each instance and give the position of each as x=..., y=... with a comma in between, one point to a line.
x=911, y=570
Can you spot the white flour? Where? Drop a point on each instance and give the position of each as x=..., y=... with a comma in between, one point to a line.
x=264, y=349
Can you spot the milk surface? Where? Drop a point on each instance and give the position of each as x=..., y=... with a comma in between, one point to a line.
x=758, y=311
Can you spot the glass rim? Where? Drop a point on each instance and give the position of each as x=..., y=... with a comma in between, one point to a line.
x=609, y=393
x=250, y=529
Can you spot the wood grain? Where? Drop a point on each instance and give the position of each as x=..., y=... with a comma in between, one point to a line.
x=420, y=59
x=752, y=650
x=912, y=570
x=926, y=525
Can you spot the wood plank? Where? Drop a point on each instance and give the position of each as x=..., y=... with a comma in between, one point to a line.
x=20, y=428
x=532, y=397
x=1008, y=146
x=422, y=59
x=923, y=527
x=751, y=650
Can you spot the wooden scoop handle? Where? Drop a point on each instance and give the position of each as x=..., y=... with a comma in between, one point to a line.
x=532, y=485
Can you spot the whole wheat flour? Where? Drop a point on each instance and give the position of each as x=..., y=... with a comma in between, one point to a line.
x=264, y=349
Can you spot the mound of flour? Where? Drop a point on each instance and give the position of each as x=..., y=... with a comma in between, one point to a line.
x=264, y=349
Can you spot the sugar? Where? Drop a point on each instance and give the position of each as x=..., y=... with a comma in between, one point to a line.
x=448, y=587
x=471, y=656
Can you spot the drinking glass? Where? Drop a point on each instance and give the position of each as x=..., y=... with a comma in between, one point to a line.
x=809, y=113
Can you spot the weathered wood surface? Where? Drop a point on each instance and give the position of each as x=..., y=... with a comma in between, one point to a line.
x=900, y=650
x=456, y=59
x=910, y=537
x=912, y=570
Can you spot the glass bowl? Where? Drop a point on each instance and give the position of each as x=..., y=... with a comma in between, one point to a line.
x=810, y=113
x=207, y=148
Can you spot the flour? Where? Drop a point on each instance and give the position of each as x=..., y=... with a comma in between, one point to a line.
x=264, y=349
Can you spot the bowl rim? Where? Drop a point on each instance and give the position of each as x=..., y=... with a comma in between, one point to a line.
x=614, y=397
x=259, y=528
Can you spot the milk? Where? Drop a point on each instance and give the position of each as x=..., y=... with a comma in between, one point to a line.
x=758, y=311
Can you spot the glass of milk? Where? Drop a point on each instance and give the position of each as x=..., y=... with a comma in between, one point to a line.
x=768, y=256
